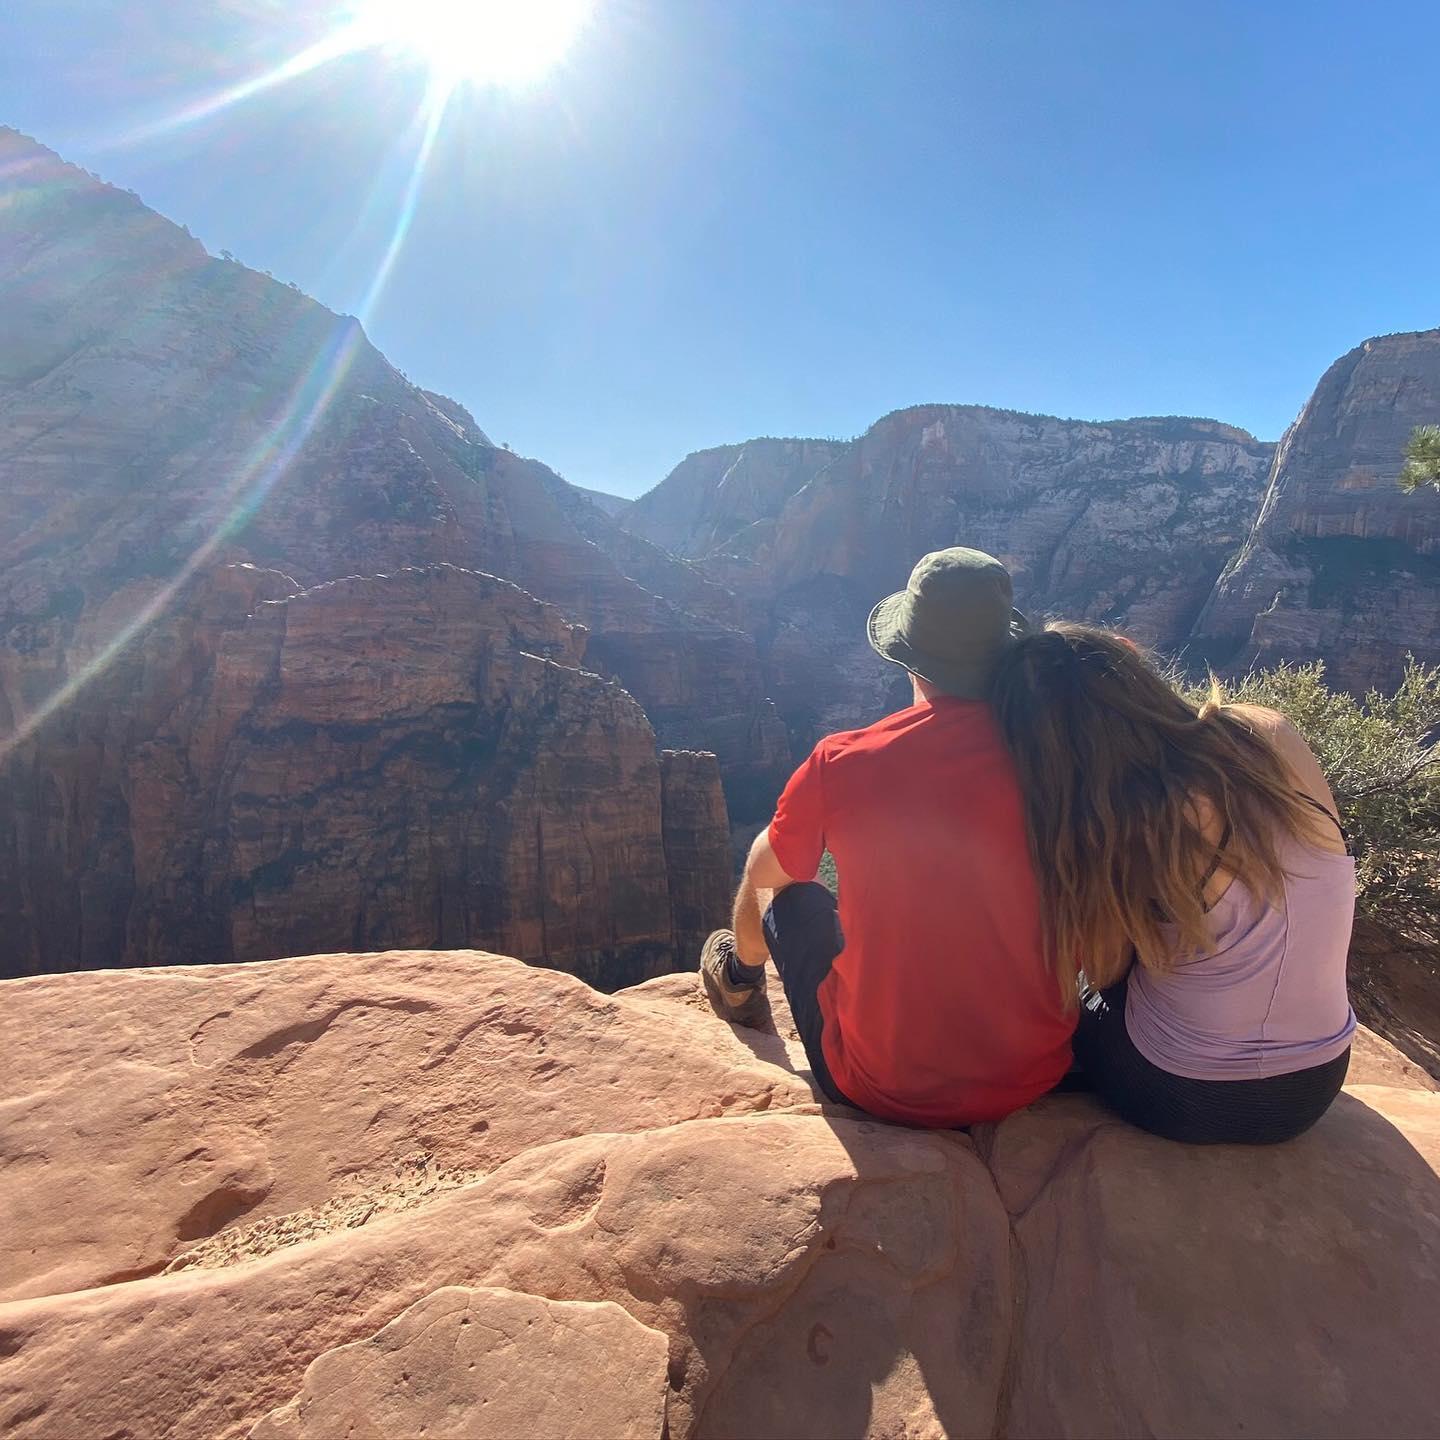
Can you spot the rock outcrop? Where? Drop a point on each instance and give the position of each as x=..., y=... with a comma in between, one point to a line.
x=528, y=1366
x=394, y=1193
x=712, y=495
x=161, y=409
x=1341, y=566
x=694, y=825
x=394, y=760
x=1128, y=522
x=164, y=414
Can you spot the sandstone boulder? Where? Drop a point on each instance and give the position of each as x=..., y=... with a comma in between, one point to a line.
x=486, y=1364
x=811, y=1272
x=150, y=1112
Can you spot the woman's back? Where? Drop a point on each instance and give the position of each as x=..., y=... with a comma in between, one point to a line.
x=1269, y=997
x=1197, y=849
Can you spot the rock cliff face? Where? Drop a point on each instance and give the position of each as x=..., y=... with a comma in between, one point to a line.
x=712, y=495
x=602, y=500
x=1128, y=522
x=392, y=760
x=163, y=414
x=1341, y=566
x=159, y=406
x=394, y=1194
x=694, y=827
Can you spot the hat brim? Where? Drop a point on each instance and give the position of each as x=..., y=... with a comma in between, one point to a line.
x=964, y=681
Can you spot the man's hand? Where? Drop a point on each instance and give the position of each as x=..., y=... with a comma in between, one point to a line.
x=762, y=878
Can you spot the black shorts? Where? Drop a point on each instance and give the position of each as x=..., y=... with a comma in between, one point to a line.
x=1202, y=1112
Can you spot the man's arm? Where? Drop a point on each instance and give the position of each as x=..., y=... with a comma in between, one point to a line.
x=763, y=877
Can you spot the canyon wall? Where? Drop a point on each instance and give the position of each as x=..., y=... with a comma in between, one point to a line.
x=164, y=415
x=711, y=495
x=411, y=759
x=1341, y=565
x=1128, y=522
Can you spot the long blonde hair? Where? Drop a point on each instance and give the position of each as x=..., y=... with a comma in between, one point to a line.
x=1114, y=765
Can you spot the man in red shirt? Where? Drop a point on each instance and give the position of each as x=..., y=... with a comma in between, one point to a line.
x=924, y=997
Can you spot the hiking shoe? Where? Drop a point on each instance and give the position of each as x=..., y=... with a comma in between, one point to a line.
x=740, y=1005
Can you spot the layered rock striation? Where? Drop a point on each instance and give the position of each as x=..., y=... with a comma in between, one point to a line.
x=164, y=414
x=403, y=759
x=1128, y=522
x=1341, y=566
x=392, y=1193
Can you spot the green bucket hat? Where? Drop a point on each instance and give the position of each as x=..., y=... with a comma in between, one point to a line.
x=950, y=623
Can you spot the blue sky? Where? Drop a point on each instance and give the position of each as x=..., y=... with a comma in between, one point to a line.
x=719, y=220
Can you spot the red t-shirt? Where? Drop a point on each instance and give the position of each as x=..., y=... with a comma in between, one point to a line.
x=940, y=1010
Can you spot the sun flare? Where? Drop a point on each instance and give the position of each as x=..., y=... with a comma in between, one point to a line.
x=485, y=42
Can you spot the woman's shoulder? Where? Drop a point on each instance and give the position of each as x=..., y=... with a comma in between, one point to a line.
x=1303, y=769
x=1264, y=719
x=1280, y=731
x=1288, y=743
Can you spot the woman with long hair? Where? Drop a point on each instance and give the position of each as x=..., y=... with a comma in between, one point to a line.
x=1191, y=864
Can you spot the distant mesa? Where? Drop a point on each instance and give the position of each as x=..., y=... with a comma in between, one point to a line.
x=612, y=505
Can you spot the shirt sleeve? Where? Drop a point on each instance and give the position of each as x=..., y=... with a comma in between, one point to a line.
x=797, y=833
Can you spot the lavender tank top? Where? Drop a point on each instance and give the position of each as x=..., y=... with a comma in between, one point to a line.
x=1270, y=998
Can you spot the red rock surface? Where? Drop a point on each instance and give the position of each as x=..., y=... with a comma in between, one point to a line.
x=492, y=1363
x=812, y=1273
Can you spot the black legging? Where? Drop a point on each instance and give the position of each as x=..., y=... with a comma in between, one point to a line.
x=1202, y=1112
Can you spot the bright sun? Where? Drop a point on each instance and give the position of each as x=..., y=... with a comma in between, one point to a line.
x=487, y=42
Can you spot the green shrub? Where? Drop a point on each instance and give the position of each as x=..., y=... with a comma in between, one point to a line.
x=827, y=876
x=1381, y=758
x=1422, y=459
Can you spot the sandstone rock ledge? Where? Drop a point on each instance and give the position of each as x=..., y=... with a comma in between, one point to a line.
x=443, y=1194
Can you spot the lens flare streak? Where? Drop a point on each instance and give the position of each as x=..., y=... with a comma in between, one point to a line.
x=313, y=392
x=435, y=105
x=256, y=477
x=332, y=47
